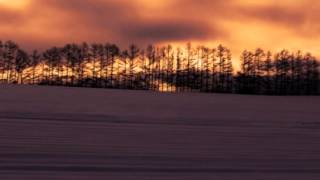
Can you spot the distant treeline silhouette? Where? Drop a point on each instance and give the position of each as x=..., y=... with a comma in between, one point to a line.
x=198, y=69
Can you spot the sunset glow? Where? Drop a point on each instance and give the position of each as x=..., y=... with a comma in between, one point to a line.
x=238, y=24
x=14, y=4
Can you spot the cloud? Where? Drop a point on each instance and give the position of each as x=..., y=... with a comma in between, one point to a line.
x=276, y=14
x=9, y=17
x=177, y=30
x=238, y=23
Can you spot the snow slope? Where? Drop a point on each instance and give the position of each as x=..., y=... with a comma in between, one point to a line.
x=74, y=133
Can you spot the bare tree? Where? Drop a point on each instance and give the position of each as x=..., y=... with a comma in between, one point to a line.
x=35, y=59
x=282, y=66
x=133, y=53
x=10, y=52
x=163, y=68
x=2, y=62
x=114, y=52
x=179, y=70
x=268, y=68
x=151, y=56
x=22, y=61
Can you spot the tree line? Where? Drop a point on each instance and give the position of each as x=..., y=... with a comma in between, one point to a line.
x=188, y=69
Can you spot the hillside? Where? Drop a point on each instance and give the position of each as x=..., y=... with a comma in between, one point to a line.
x=77, y=133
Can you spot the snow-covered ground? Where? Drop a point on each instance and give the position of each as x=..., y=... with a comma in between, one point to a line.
x=75, y=133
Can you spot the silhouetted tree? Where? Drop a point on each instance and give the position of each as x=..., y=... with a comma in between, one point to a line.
x=102, y=65
x=179, y=70
x=214, y=70
x=53, y=59
x=21, y=63
x=114, y=52
x=224, y=69
x=162, y=68
x=205, y=69
x=35, y=59
x=282, y=65
x=311, y=74
x=228, y=73
x=315, y=77
x=94, y=58
x=84, y=59
x=151, y=56
x=168, y=56
x=133, y=53
x=189, y=63
x=245, y=76
x=10, y=52
x=2, y=62
x=71, y=53
x=125, y=77
x=258, y=59
x=143, y=72
x=268, y=68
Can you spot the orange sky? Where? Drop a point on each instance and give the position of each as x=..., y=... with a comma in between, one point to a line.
x=238, y=24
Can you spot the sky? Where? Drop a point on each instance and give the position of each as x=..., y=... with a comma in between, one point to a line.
x=237, y=24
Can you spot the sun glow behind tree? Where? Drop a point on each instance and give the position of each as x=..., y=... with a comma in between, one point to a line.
x=238, y=24
x=14, y=4
x=164, y=68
